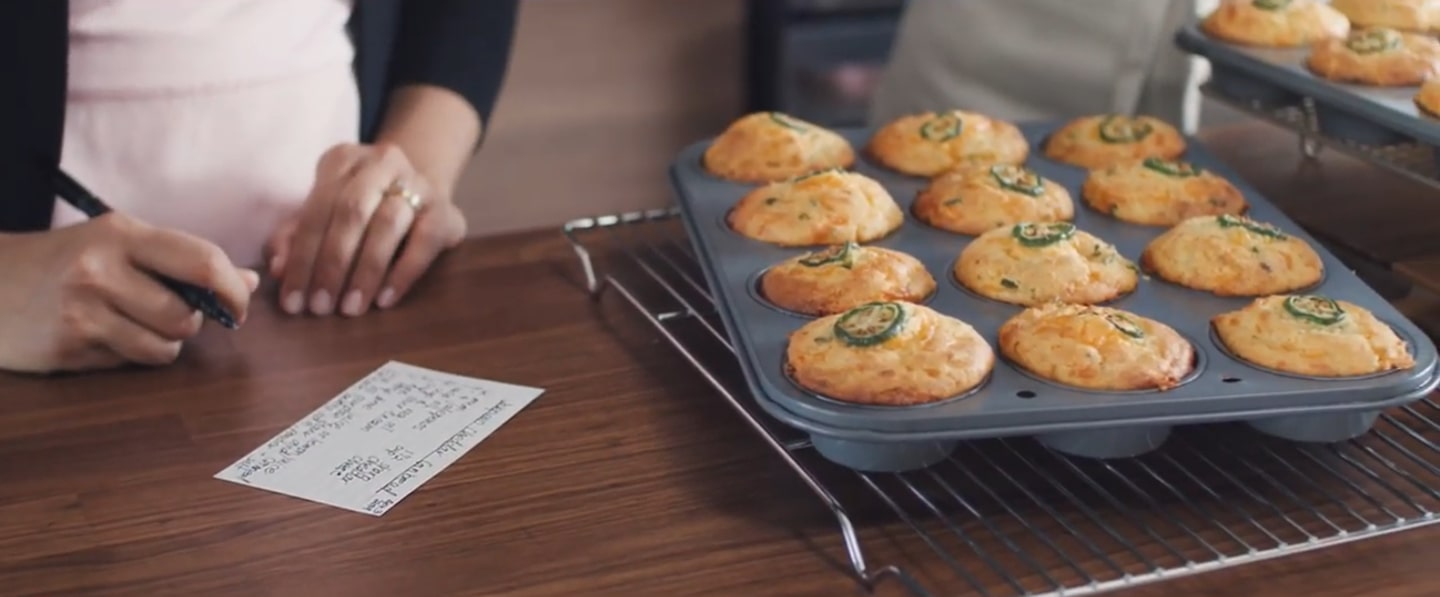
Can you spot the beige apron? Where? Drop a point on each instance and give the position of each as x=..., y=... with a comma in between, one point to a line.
x=1041, y=59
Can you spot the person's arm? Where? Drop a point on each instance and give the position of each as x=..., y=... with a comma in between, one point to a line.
x=450, y=60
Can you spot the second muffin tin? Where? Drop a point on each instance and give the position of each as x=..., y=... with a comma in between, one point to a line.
x=1012, y=402
x=1277, y=77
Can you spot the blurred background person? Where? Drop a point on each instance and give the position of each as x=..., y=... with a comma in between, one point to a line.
x=1043, y=59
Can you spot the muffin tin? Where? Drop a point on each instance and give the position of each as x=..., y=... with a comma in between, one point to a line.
x=1013, y=402
x=1274, y=78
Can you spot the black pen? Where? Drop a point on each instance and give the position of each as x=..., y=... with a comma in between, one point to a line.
x=198, y=298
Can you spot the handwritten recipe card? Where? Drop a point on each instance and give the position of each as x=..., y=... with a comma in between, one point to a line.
x=381, y=439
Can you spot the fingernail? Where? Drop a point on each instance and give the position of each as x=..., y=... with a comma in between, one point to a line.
x=252, y=280
x=320, y=303
x=294, y=302
x=353, y=303
x=387, y=298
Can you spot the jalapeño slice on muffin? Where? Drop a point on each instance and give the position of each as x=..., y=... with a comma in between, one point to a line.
x=1019, y=179
x=1125, y=325
x=1373, y=41
x=1271, y=4
x=842, y=255
x=786, y=121
x=942, y=128
x=1173, y=168
x=870, y=324
x=1315, y=309
x=1260, y=228
x=1042, y=234
x=1123, y=129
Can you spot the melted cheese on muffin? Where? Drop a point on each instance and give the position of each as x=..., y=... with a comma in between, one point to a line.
x=974, y=199
x=1275, y=23
x=837, y=278
x=824, y=208
x=1037, y=263
x=1102, y=140
x=1377, y=56
x=888, y=353
x=1233, y=256
x=771, y=146
x=1156, y=192
x=1312, y=335
x=930, y=143
x=1096, y=348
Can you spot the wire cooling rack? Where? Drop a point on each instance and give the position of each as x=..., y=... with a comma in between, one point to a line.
x=1010, y=518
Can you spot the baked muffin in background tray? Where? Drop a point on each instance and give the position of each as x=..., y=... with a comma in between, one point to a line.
x=1377, y=56
x=1275, y=23
x=771, y=146
x=824, y=208
x=1101, y=140
x=1035, y=263
x=839, y=277
x=1233, y=256
x=1097, y=348
x=1159, y=192
x=977, y=198
x=888, y=354
x=931, y=143
x=1419, y=16
x=1313, y=335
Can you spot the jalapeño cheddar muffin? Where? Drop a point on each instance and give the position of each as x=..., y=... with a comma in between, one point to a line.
x=1099, y=141
x=1275, y=23
x=1312, y=335
x=1036, y=263
x=1096, y=348
x=771, y=146
x=930, y=143
x=1428, y=98
x=837, y=278
x=1159, y=192
x=1232, y=256
x=1380, y=57
x=977, y=198
x=823, y=208
x=888, y=353
x=1406, y=15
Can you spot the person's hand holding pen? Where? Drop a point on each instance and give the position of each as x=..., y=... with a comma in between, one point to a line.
x=86, y=297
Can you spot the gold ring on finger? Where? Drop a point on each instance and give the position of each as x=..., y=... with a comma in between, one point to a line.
x=411, y=198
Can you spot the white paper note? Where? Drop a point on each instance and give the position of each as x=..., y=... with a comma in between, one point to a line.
x=380, y=439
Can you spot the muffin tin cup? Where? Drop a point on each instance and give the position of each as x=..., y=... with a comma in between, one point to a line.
x=1011, y=402
x=881, y=456
x=1107, y=444
x=1365, y=114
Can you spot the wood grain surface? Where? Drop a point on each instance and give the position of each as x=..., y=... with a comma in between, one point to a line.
x=629, y=476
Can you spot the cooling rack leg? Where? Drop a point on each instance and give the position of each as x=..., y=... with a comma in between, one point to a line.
x=594, y=285
x=1310, y=147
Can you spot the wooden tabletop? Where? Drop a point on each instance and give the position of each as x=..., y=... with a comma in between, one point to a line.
x=629, y=476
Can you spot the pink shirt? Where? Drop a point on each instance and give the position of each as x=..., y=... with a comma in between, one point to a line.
x=206, y=116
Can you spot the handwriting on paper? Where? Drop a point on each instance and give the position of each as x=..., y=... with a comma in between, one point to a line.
x=382, y=438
